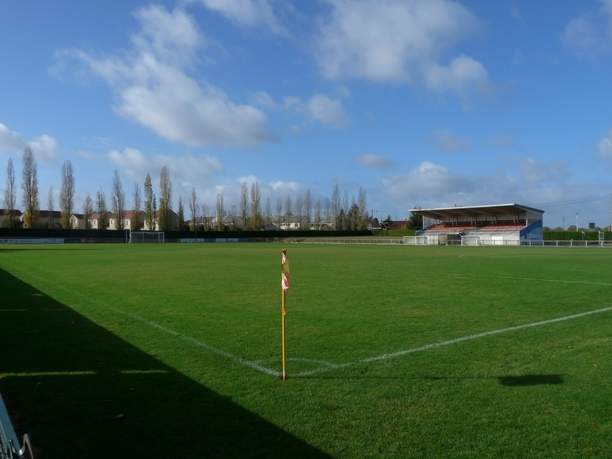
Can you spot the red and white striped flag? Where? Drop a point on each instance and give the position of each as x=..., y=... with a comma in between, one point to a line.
x=284, y=270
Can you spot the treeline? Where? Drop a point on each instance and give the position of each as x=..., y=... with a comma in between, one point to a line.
x=561, y=235
x=152, y=208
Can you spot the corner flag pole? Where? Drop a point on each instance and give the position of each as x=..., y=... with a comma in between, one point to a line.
x=284, y=290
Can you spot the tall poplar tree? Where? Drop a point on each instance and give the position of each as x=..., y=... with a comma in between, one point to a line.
x=67, y=194
x=30, y=189
x=10, y=198
x=148, y=203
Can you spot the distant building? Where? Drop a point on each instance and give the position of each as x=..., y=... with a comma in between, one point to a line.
x=4, y=217
x=47, y=219
x=497, y=224
x=396, y=224
x=132, y=220
x=290, y=226
x=95, y=220
x=77, y=221
x=592, y=226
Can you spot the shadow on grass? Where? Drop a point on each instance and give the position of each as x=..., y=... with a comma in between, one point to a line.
x=82, y=392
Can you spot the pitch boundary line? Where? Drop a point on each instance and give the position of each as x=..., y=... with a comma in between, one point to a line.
x=201, y=344
x=461, y=339
x=329, y=366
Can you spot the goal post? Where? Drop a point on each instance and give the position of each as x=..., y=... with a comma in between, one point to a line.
x=470, y=240
x=147, y=236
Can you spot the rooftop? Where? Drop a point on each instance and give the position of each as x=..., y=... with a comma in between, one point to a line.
x=463, y=211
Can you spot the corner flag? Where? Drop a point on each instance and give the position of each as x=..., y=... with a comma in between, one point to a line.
x=284, y=290
x=284, y=270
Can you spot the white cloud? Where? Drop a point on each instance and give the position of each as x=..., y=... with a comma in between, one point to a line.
x=580, y=35
x=282, y=186
x=153, y=88
x=534, y=182
x=10, y=141
x=319, y=108
x=399, y=41
x=534, y=171
x=449, y=142
x=460, y=74
x=264, y=100
x=44, y=146
x=248, y=13
x=373, y=161
x=590, y=32
x=326, y=110
x=604, y=147
x=186, y=170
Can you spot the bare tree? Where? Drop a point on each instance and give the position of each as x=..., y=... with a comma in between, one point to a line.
x=87, y=211
x=279, y=210
x=345, y=202
x=148, y=205
x=204, y=219
x=10, y=198
x=30, y=188
x=255, y=218
x=136, y=222
x=335, y=204
x=288, y=209
x=298, y=209
x=220, y=212
x=181, y=214
x=244, y=193
x=67, y=194
x=118, y=199
x=193, y=209
x=327, y=212
x=154, y=213
x=363, y=211
x=307, y=208
x=317, y=214
x=101, y=210
x=165, y=199
x=50, y=209
x=268, y=211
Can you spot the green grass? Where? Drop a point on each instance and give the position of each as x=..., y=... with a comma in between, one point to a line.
x=89, y=372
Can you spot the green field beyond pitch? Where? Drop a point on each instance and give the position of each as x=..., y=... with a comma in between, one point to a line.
x=171, y=351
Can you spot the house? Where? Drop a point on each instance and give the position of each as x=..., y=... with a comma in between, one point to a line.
x=5, y=217
x=46, y=219
x=95, y=220
x=290, y=226
x=133, y=220
x=77, y=221
x=173, y=223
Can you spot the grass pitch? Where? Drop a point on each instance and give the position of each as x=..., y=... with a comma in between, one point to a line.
x=170, y=351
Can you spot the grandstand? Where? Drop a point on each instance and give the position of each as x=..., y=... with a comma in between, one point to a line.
x=496, y=224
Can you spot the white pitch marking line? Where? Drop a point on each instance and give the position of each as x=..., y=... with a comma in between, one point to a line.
x=453, y=341
x=298, y=359
x=201, y=344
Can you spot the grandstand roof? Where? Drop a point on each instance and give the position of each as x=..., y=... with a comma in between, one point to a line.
x=466, y=211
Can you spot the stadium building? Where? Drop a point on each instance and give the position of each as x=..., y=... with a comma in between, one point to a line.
x=497, y=224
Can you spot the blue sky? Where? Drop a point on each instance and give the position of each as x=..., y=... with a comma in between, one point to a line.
x=421, y=102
